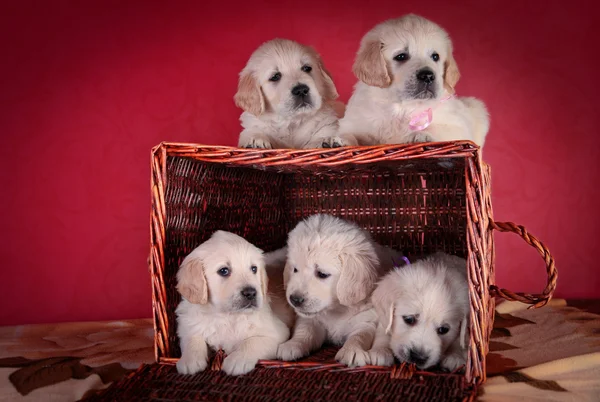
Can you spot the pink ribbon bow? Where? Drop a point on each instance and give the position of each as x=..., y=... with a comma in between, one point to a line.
x=422, y=120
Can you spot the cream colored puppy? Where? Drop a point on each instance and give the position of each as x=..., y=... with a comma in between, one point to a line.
x=226, y=306
x=331, y=270
x=423, y=312
x=406, y=70
x=288, y=98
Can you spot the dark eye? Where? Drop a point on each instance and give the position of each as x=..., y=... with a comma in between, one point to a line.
x=224, y=272
x=306, y=69
x=275, y=77
x=435, y=57
x=409, y=319
x=443, y=330
x=295, y=269
x=322, y=275
x=401, y=57
x=253, y=269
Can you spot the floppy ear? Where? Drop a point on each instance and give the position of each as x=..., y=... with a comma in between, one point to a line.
x=286, y=274
x=357, y=278
x=383, y=300
x=249, y=95
x=370, y=67
x=264, y=281
x=451, y=73
x=191, y=282
x=330, y=91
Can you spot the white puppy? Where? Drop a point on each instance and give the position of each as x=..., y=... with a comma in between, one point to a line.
x=287, y=96
x=406, y=70
x=331, y=270
x=226, y=306
x=423, y=312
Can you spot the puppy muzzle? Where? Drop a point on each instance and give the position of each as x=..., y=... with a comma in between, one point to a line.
x=301, y=305
x=416, y=355
x=301, y=97
x=424, y=85
x=247, y=299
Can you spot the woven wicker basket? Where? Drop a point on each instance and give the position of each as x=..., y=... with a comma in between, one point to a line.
x=417, y=198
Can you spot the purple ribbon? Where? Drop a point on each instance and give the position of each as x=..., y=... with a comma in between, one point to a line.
x=406, y=261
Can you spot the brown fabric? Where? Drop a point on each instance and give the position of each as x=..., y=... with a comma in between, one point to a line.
x=62, y=362
x=34, y=374
x=548, y=354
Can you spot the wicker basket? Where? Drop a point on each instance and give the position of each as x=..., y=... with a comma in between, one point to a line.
x=418, y=198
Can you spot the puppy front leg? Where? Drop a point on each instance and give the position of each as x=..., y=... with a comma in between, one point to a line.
x=421, y=136
x=355, y=350
x=440, y=132
x=381, y=354
x=194, y=355
x=244, y=357
x=251, y=139
x=308, y=336
x=329, y=137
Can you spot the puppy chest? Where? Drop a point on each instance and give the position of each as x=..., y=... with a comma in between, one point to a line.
x=226, y=332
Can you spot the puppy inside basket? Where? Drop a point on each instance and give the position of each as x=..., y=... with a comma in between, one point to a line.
x=423, y=311
x=229, y=304
x=416, y=312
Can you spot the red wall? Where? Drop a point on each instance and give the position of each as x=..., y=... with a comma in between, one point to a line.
x=87, y=88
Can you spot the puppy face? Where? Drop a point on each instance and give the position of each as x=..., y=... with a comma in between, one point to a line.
x=286, y=78
x=226, y=272
x=411, y=56
x=424, y=307
x=331, y=262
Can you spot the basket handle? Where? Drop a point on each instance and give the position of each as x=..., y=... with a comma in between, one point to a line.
x=536, y=300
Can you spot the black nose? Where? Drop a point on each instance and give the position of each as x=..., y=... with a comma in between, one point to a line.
x=426, y=75
x=300, y=90
x=418, y=357
x=249, y=293
x=296, y=300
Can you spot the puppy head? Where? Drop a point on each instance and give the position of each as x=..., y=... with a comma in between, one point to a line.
x=284, y=77
x=410, y=55
x=226, y=272
x=424, y=307
x=331, y=262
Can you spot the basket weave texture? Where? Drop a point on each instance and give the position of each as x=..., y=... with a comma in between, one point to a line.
x=161, y=382
x=417, y=198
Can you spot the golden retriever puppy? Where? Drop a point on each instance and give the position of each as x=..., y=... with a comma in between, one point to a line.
x=288, y=98
x=331, y=270
x=423, y=311
x=405, y=92
x=226, y=305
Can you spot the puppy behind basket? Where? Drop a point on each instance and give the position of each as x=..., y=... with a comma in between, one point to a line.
x=399, y=193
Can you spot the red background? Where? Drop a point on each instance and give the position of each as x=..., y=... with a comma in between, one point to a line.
x=87, y=88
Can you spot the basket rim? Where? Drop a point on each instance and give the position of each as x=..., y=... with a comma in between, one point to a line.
x=325, y=157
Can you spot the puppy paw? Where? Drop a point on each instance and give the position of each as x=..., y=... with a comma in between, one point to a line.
x=452, y=362
x=334, y=142
x=353, y=357
x=191, y=365
x=381, y=357
x=292, y=350
x=259, y=143
x=420, y=136
x=238, y=364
